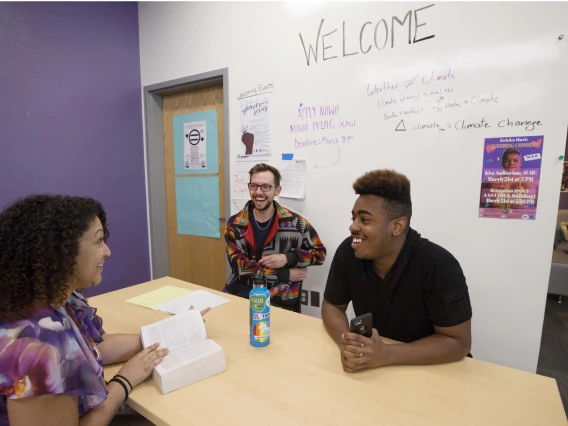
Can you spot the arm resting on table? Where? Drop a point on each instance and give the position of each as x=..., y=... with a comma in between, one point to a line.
x=117, y=348
x=447, y=345
x=334, y=320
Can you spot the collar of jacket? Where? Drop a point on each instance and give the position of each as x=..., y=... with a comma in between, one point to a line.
x=242, y=219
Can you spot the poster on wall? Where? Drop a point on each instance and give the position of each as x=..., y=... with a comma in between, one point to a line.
x=294, y=178
x=196, y=142
x=510, y=177
x=255, y=128
x=195, y=146
x=239, y=185
x=237, y=204
x=564, y=183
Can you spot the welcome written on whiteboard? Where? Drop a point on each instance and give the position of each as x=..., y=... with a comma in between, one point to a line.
x=379, y=35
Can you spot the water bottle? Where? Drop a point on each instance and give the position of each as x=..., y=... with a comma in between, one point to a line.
x=259, y=298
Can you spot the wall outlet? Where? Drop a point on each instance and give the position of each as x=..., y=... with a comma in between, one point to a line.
x=304, y=297
x=315, y=298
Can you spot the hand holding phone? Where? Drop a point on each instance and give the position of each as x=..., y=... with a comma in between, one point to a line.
x=363, y=325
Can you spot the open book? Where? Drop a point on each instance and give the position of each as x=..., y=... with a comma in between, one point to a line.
x=192, y=356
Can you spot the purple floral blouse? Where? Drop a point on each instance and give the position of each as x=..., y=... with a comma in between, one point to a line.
x=53, y=350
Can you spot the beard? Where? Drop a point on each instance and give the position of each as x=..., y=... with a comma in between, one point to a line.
x=266, y=207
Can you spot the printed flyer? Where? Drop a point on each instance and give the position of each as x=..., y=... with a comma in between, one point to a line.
x=510, y=177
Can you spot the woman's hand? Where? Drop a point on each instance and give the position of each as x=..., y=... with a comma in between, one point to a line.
x=203, y=312
x=141, y=365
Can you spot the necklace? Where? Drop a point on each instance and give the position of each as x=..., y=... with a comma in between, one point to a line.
x=262, y=229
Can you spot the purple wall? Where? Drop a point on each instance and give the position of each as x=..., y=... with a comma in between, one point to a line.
x=71, y=118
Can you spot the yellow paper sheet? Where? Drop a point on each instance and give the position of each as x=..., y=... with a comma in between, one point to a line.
x=161, y=295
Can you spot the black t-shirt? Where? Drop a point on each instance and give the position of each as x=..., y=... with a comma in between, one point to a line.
x=427, y=288
x=261, y=231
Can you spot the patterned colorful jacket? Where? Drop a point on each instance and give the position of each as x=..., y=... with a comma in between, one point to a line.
x=290, y=234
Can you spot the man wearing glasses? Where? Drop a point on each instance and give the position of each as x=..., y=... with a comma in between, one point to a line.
x=265, y=235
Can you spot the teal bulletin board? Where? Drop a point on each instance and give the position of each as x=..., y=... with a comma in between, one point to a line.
x=197, y=206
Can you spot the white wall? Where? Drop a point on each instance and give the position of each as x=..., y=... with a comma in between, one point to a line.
x=511, y=49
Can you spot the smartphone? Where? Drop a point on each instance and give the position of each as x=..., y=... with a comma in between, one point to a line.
x=363, y=325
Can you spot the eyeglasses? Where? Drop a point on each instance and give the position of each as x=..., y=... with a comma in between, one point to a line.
x=264, y=187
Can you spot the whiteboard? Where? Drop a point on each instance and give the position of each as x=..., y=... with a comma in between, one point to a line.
x=420, y=98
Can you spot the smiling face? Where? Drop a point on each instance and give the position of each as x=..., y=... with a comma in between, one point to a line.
x=92, y=255
x=373, y=232
x=512, y=162
x=263, y=200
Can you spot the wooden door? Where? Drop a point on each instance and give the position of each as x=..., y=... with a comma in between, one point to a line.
x=199, y=260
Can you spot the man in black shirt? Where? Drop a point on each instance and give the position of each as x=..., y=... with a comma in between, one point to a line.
x=414, y=288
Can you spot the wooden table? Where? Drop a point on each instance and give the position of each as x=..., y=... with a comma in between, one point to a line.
x=298, y=379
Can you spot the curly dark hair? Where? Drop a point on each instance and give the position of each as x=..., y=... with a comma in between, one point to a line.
x=39, y=243
x=392, y=187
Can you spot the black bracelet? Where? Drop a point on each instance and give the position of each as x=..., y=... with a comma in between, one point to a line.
x=125, y=379
x=114, y=379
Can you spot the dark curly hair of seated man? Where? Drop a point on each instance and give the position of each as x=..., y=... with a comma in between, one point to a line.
x=392, y=187
x=39, y=243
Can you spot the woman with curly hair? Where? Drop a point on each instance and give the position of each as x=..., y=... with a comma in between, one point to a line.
x=52, y=344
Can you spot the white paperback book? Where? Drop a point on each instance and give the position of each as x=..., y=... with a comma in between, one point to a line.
x=192, y=356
